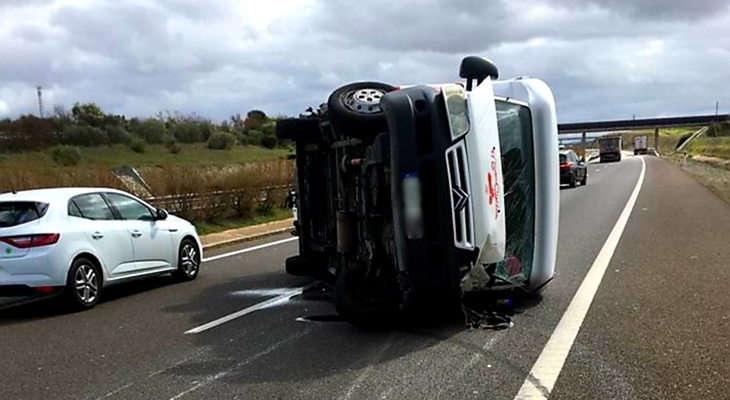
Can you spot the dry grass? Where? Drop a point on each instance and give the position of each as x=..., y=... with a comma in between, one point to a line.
x=244, y=192
x=37, y=178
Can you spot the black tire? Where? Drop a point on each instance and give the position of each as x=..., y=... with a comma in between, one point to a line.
x=188, y=261
x=584, y=181
x=354, y=109
x=299, y=130
x=573, y=183
x=84, y=284
x=305, y=266
x=369, y=315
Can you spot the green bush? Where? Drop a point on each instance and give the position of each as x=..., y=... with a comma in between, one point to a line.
x=118, y=135
x=150, y=130
x=175, y=148
x=221, y=141
x=67, y=156
x=242, y=139
x=138, y=146
x=168, y=141
x=269, y=141
x=206, y=130
x=84, y=135
x=187, y=132
x=254, y=137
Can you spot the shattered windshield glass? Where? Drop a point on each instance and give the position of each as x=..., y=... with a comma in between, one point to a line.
x=515, y=135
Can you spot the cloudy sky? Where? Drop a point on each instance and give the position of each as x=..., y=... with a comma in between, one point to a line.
x=604, y=59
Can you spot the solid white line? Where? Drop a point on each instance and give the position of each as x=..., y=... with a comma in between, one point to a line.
x=256, y=307
x=539, y=383
x=249, y=249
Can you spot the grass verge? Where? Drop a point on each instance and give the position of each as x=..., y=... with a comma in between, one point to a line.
x=205, y=228
x=154, y=155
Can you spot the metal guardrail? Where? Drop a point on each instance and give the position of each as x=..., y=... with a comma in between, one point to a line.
x=201, y=201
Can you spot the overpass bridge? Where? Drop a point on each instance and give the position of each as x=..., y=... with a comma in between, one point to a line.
x=629, y=124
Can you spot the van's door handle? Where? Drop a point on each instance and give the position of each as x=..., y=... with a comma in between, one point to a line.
x=136, y=234
x=97, y=235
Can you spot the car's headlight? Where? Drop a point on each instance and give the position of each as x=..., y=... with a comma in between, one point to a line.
x=412, y=206
x=455, y=100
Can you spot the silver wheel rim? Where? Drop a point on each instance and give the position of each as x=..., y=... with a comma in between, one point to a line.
x=189, y=260
x=87, y=283
x=364, y=101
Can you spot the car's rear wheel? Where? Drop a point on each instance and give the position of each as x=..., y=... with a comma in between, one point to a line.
x=188, y=261
x=354, y=110
x=83, y=285
x=573, y=182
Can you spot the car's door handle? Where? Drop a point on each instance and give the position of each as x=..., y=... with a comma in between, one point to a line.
x=97, y=235
x=136, y=234
x=173, y=229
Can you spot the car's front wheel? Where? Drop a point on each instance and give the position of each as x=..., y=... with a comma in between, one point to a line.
x=584, y=181
x=188, y=261
x=83, y=285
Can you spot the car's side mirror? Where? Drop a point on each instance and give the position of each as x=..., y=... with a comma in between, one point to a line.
x=160, y=214
x=583, y=159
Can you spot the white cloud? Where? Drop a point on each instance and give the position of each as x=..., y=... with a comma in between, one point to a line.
x=603, y=59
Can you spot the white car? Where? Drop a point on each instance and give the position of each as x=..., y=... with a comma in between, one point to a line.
x=77, y=241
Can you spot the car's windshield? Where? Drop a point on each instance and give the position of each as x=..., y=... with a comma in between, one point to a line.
x=13, y=213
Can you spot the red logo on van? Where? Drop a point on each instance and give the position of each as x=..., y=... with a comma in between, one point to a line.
x=492, y=188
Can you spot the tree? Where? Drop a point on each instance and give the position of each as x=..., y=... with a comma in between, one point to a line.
x=88, y=114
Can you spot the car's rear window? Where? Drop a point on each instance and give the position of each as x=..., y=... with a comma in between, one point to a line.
x=13, y=213
x=563, y=158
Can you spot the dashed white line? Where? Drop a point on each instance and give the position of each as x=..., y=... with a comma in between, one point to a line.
x=545, y=372
x=256, y=307
x=249, y=249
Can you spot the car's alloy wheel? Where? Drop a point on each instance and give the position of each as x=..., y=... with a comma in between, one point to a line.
x=84, y=284
x=87, y=284
x=188, y=261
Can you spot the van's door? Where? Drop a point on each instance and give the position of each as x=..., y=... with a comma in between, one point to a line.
x=486, y=181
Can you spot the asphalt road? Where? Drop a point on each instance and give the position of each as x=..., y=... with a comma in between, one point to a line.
x=657, y=327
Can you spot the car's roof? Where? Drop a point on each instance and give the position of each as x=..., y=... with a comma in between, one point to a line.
x=51, y=194
x=566, y=151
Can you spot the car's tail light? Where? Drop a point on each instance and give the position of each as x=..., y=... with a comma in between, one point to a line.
x=28, y=241
x=566, y=165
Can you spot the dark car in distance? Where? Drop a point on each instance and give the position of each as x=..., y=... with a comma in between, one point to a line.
x=573, y=169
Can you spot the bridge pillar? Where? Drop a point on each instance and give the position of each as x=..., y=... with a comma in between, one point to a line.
x=583, y=144
x=656, y=139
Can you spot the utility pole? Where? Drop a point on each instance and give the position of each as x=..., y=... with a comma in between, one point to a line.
x=717, y=107
x=39, y=90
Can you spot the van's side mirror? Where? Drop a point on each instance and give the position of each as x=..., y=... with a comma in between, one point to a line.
x=477, y=68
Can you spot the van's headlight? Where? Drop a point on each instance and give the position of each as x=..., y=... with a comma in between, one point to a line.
x=455, y=99
x=413, y=214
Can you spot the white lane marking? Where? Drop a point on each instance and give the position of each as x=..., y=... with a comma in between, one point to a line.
x=249, y=249
x=256, y=307
x=213, y=378
x=539, y=383
x=261, y=292
x=357, y=383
